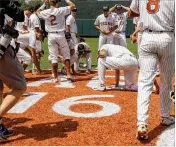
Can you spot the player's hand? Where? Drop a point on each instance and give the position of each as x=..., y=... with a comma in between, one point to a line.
x=46, y=1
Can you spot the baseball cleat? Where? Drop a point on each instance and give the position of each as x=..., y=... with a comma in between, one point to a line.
x=142, y=132
x=70, y=78
x=166, y=121
x=132, y=87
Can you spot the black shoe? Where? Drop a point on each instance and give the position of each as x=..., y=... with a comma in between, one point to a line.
x=5, y=132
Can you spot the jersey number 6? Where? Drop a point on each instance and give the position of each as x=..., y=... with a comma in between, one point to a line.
x=52, y=19
x=153, y=6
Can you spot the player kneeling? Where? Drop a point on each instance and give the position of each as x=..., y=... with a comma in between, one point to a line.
x=118, y=58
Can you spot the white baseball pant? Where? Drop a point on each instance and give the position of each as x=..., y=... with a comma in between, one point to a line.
x=120, y=39
x=155, y=47
x=127, y=63
x=57, y=44
x=105, y=39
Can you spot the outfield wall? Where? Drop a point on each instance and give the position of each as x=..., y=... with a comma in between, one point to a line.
x=86, y=27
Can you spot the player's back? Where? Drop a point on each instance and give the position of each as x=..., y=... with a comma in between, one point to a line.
x=158, y=15
x=115, y=50
x=55, y=18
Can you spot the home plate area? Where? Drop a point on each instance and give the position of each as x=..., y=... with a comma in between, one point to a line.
x=76, y=114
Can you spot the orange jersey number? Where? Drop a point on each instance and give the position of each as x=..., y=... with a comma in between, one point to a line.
x=153, y=6
x=52, y=19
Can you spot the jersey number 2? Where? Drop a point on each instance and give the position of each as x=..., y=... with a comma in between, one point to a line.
x=153, y=6
x=52, y=19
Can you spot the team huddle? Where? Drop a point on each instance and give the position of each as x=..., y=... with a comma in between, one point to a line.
x=153, y=35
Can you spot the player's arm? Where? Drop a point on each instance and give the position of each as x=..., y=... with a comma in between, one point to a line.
x=136, y=31
x=126, y=8
x=112, y=9
x=34, y=59
x=71, y=4
x=134, y=9
x=113, y=29
x=98, y=28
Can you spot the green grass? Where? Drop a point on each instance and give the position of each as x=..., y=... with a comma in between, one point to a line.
x=92, y=42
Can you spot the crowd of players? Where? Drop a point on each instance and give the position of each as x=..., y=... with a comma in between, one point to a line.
x=67, y=47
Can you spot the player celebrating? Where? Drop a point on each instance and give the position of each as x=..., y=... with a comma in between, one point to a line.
x=71, y=26
x=157, y=45
x=106, y=24
x=118, y=58
x=55, y=26
x=121, y=19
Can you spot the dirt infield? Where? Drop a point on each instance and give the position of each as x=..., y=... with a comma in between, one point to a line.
x=76, y=115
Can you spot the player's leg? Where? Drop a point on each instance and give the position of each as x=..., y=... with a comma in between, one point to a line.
x=13, y=77
x=167, y=68
x=65, y=52
x=88, y=62
x=116, y=38
x=53, y=54
x=110, y=39
x=101, y=73
x=122, y=40
x=23, y=57
x=148, y=64
x=102, y=41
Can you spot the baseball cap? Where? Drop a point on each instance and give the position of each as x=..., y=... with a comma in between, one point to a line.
x=31, y=9
x=105, y=8
x=118, y=7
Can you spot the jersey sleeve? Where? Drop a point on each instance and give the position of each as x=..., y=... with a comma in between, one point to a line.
x=134, y=20
x=97, y=21
x=43, y=14
x=68, y=20
x=65, y=10
x=135, y=6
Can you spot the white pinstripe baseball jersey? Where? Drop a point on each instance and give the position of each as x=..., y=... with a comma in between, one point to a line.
x=158, y=15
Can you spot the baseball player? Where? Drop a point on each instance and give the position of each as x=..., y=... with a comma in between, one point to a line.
x=106, y=24
x=121, y=19
x=28, y=40
x=22, y=27
x=71, y=26
x=35, y=26
x=118, y=58
x=73, y=55
x=83, y=50
x=55, y=26
x=157, y=45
